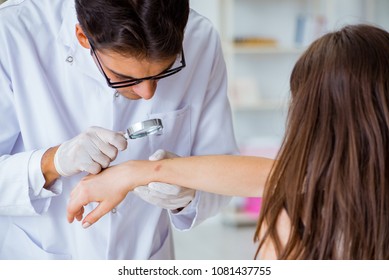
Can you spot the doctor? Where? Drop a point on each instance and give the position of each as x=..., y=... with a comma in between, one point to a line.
x=73, y=74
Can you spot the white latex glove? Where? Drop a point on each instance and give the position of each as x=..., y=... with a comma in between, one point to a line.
x=91, y=151
x=165, y=195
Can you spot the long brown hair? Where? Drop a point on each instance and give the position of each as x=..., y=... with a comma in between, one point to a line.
x=332, y=172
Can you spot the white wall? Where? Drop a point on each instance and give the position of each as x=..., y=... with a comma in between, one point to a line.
x=209, y=9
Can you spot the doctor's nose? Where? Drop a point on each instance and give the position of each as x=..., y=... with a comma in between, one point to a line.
x=146, y=89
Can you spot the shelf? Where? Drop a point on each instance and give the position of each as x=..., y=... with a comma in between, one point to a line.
x=239, y=219
x=260, y=105
x=266, y=50
x=242, y=49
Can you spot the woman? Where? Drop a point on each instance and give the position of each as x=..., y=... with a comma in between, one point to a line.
x=327, y=195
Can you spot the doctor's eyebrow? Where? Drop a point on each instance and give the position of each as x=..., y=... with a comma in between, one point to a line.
x=132, y=78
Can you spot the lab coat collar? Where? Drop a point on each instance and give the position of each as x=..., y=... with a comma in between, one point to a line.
x=66, y=34
x=81, y=57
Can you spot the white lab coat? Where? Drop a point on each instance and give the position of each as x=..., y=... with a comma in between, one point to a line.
x=51, y=90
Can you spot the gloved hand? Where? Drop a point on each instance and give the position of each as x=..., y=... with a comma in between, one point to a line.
x=91, y=151
x=165, y=195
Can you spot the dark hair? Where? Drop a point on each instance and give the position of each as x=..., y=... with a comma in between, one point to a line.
x=332, y=172
x=152, y=29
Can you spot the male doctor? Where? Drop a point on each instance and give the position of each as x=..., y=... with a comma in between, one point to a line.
x=73, y=75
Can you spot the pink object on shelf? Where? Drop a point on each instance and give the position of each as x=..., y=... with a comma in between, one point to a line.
x=263, y=147
x=252, y=205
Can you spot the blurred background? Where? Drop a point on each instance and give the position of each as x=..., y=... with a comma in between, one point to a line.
x=262, y=39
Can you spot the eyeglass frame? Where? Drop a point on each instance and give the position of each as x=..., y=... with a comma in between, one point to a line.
x=133, y=82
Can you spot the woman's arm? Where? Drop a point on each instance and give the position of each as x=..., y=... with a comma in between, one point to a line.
x=222, y=174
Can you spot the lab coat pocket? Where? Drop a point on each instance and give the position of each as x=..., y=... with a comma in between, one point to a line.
x=164, y=252
x=176, y=134
x=19, y=246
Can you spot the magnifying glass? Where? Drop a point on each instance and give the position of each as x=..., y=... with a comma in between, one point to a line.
x=144, y=128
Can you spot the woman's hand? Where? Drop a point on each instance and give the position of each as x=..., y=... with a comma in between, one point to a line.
x=108, y=188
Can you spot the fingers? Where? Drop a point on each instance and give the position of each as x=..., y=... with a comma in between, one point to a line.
x=162, y=154
x=90, y=151
x=97, y=154
x=106, y=147
x=76, y=210
x=103, y=153
x=164, y=195
x=93, y=189
x=71, y=215
x=78, y=215
x=119, y=141
x=170, y=155
x=91, y=167
x=100, y=152
x=116, y=139
x=142, y=191
x=91, y=218
x=164, y=188
x=95, y=215
x=75, y=207
x=158, y=155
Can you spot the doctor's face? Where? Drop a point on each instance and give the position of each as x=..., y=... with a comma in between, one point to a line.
x=134, y=78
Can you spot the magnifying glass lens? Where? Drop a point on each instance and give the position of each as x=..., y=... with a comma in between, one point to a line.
x=144, y=128
x=145, y=132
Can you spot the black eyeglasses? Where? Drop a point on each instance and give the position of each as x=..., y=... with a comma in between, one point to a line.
x=133, y=82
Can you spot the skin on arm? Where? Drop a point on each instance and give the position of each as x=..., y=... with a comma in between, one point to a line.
x=221, y=174
x=47, y=166
x=268, y=250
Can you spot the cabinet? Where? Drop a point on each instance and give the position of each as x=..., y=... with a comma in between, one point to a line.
x=262, y=40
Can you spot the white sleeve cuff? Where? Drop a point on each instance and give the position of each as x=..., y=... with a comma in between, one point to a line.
x=186, y=218
x=40, y=197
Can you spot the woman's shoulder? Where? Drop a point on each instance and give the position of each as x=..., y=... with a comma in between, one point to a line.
x=268, y=251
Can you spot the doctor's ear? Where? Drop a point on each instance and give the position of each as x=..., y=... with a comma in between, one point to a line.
x=81, y=37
